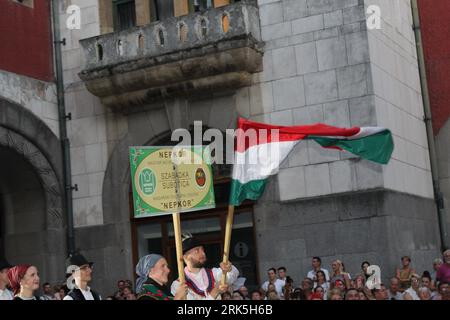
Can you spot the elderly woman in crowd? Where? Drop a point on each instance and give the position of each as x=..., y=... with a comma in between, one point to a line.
x=24, y=280
x=153, y=272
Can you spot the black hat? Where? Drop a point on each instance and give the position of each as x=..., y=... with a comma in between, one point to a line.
x=189, y=242
x=79, y=260
x=4, y=264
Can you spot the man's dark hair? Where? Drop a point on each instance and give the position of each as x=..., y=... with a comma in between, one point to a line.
x=272, y=269
x=318, y=259
x=289, y=280
x=298, y=294
x=45, y=284
x=282, y=268
x=257, y=291
x=351, y=289
x=441, y=284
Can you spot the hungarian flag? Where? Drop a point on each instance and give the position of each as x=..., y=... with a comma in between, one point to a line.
x=261, y=148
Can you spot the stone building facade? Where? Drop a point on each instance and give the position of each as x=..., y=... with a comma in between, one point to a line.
x=277, y=61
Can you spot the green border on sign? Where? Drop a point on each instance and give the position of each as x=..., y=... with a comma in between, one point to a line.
x=143, y=209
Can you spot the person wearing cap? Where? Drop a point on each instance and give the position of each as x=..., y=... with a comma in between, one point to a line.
x=81, y=270
x=5, y=294
x=203, y=283
x=153, y=276
x=24, y=280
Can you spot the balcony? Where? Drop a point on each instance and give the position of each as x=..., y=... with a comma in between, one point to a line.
x=200, y=53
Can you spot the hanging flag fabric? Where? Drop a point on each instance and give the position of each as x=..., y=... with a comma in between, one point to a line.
x=261, y=148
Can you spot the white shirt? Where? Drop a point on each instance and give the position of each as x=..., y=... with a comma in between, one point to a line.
x=412, y=293
x=279, y=284
x=87, y=294
x=5, y=295
x=398, y=295
x=198, y=278
x=312, y=274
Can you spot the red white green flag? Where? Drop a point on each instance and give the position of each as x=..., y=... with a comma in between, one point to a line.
x=261, y=148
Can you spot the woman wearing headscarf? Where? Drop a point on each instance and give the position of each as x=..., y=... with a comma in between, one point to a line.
x=153, y=272
x=24, y=280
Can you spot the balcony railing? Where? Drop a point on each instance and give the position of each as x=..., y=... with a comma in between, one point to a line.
x=217, y=49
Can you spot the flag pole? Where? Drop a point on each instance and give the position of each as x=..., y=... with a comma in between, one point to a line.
x=179, y=247
x=227, y=241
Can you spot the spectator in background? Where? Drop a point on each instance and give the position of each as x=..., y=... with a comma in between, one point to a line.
x=288, y=288
x=404, y=273
x=359, y=282
x=119, y=293
x=278, y=284
x=394, y=290
x=352, y=294
x=338, y=273
x=443, y=273
x=5, y=294
x=272, y=295
x=322, y=282
x=307, y=287
x=319, y=291
x=270, y=288
x=362, y=295
x=298, y=294
x=445, y=294
x=412, y=293
x=317, y=266
x=282, y=274
x=128, y=294
x=237, y=296
x=381, y=293
x=364, y=267
x=226, y=296
x=256, y=295
x=48, y=293
x=335, y=294
x=244, y=291
x=424, y=293
x=442, y=289
x=427, y=283
x=339, y=284
x=316, y=296
x=63, y=290
x=436, y=265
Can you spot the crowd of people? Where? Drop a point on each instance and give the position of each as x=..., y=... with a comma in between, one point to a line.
x=21, y=282
x=320, y=284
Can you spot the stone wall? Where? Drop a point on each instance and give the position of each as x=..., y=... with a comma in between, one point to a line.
x=322, y=65
x=35, y=95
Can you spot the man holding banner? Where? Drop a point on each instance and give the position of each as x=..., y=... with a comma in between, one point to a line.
x=203, y=283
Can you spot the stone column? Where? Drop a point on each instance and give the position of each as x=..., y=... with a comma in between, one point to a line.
x=142, y=12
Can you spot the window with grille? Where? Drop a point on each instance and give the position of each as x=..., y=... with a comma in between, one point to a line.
x=124, y=14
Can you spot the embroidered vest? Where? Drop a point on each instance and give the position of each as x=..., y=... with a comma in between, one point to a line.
x=152, y=292
x=211, y=283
